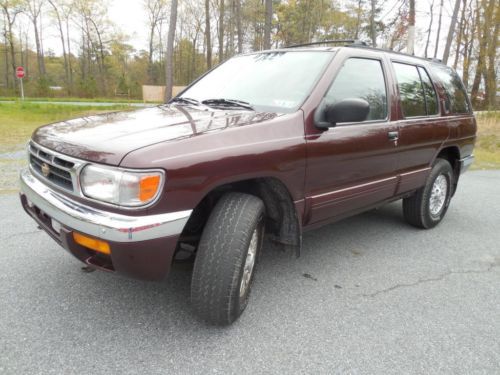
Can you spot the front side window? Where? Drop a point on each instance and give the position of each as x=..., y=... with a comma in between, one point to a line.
x=276, y=81
x=411, y=91
x=361, y=79
x=456, y=96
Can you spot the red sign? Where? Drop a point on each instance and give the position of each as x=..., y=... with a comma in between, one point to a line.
x=20, y=72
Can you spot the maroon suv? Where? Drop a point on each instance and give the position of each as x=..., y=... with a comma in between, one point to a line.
x=276, y=142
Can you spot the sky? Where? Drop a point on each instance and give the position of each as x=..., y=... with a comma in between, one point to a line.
x=131, y=18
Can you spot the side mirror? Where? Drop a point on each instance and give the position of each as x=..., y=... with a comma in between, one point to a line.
x=328, y=115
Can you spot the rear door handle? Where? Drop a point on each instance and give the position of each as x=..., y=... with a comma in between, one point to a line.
x=393, y=136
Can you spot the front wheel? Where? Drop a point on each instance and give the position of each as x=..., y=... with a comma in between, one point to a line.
x=227, y=255
x=428, y=205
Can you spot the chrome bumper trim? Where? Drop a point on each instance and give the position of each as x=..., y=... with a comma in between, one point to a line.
x=105, y=225
x=466, y=162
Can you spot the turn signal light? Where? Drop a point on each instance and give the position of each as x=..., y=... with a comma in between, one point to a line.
x=92, y=243
x=148, y=187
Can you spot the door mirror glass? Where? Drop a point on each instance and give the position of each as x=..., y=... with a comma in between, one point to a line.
x=348, y=110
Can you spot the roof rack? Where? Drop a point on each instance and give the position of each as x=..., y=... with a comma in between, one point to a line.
x=434, y=60
x=352, y=42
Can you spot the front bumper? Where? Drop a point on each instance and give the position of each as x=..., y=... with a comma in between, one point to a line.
x=141, y=246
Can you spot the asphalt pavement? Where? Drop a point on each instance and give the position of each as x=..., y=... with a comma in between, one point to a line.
x=370, y=295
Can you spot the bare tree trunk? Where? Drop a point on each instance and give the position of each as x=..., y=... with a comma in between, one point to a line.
x=473, y=30
x=436, y=47
x=61, y=35
x=152, y=30
x=239, y=26
x=9, y=36
x=208, y=34
x=221, y=30
x=429, y=30
x=268, y=24
x=169, y=64
x=411, y=29
x=483, y=44
x=451, y=31
x=373, y=32
x=34, y=9
x=461, y=31
x=39, y=54
x=7, y=75
x=70, y=65
x=491, y=77
x=358, y=19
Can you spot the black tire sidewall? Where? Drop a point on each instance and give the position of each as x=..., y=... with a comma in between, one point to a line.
x=441, y=167
x=242, y=301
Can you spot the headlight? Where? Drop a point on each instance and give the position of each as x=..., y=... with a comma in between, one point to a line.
x=120, y=187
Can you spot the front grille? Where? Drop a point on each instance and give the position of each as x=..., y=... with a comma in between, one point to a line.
x=51, y=167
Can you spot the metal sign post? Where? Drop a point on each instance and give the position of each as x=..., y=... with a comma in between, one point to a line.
x=20, y=75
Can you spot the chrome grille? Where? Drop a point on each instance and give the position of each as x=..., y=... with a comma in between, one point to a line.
x=53, y=168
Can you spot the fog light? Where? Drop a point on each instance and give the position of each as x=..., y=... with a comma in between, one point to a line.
x=30, y=203
x=92, y=243
x=56, y=226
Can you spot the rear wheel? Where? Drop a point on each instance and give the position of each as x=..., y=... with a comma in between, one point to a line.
x=428, y=205
x=227, y=255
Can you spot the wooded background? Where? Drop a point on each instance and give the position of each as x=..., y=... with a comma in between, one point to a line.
x=187, y=37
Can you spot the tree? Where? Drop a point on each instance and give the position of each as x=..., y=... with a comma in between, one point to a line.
x=491, y=77
x=268, y=24
x=156, y=12
x=169, y=64
x=483, y=36
x=56, y=4
x=221, y=29
x=436, y=47
x=239, y=26
x=373, y=33
x=451, y=31
x=208, y=34
x=11, y=9
x=429, y=30
x=33, y=10
x=411, y=28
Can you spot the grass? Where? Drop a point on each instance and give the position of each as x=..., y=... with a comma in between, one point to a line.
x=80, y=100
x=487, y=150
x=18, y=121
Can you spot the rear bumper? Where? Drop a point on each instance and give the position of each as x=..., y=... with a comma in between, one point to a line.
x=465, y=163
x=141, y=246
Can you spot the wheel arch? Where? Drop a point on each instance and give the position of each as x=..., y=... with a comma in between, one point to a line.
x=451, y=153
x=282, y=218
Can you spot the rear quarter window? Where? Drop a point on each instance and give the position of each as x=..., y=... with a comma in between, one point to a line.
x=456, y=101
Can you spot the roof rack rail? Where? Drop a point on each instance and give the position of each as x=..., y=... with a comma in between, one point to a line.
x=364, y=45
x=353, y=42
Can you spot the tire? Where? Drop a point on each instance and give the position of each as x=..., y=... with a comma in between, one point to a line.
x=234, y=233
x=427, y=206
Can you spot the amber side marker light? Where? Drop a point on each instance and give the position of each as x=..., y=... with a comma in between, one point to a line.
x=92, y=243
x=148, y=187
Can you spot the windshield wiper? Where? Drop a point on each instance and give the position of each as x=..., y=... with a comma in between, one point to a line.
x=181, y=99
x=228, y=103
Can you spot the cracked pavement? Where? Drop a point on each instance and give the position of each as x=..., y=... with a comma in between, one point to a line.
x=369, y=295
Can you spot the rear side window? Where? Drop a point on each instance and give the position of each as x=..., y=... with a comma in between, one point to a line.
x=411, y=90
x=361, y=79
x=431, y=100
x=456, y=96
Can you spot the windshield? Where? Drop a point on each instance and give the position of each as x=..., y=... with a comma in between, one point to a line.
x=275, y=81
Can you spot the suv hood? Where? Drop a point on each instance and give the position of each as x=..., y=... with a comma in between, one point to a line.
x=109, y=137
